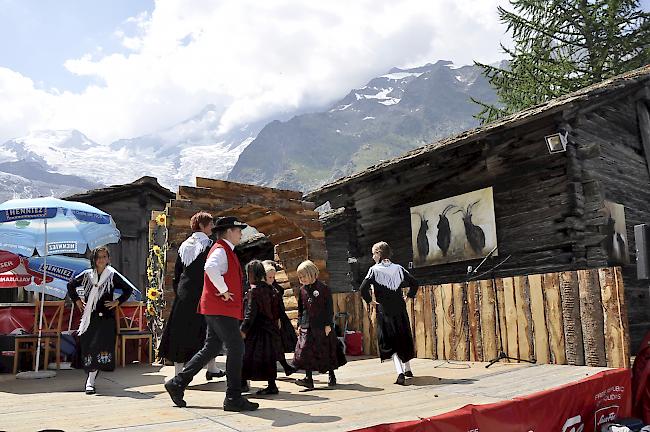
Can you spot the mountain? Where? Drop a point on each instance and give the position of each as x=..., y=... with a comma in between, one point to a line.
x=69, y=162
x=390, y=115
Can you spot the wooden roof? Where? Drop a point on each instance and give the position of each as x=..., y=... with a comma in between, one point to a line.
x=115, y=192
x=603, y=90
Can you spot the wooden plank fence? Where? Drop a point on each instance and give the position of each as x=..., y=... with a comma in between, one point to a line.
x=574, y=318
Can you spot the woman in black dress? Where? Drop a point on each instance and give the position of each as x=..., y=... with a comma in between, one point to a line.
x=260, y=330
x=393, y=325
x=97, y=330
x=317, y=348
x=184, y=332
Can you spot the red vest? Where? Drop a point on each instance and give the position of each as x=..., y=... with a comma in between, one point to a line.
x=213, y=304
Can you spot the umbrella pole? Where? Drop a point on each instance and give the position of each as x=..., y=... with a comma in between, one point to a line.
x=40, y=321
x=71, y=313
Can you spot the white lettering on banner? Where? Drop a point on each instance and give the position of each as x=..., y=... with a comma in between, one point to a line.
x=6, y=264
x=13, y=214
x=63, y=272
x=605, y=415
x=62, y=247
x=574, y=424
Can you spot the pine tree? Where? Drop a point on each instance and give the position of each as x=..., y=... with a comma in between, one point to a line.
x=564, y=45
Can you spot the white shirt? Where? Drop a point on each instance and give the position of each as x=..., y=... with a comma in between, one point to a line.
x=216, y=266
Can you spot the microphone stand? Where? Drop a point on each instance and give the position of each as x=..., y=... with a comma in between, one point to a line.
x=472, y=274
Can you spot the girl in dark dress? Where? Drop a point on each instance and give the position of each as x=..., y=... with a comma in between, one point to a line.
x=260, y=330
x=184, y=332
x=287, y=332
x=317, y=347
x=97, y=329
x=393, y=325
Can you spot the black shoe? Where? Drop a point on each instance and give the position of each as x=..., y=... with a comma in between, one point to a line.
x=268, y=391
x=305, y=382
x=239, y=405
x=176, y=392
x=209, y=375
x=332, y=380
x=90, y=390
x=400, y=379
x=290, y=370
x=408, y=374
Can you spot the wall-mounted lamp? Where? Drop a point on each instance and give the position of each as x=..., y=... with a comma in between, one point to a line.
x=557, y=142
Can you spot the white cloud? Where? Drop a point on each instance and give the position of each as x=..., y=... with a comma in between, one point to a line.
x=252, y=58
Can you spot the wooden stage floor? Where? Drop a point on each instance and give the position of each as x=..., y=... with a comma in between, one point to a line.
x=134, y=399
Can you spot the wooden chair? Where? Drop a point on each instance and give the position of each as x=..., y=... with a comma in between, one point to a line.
x=130, y=326
x=50, y=335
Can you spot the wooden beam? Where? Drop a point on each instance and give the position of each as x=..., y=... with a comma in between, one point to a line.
x=501, y=307
x=524, y=318
x=440, y=321
x=537, y=307
x=591, y=315
x=624, y=320
x=461, y=340
x=448, y=321
x=488, y=320
x=429, y=323
x=569, y=289
x=615, y=349
x=474, y=320
x=511, y=317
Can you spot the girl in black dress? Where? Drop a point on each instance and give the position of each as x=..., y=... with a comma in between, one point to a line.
x=184, y=332
x=260, y=330
x=287, y=332
x=317, y=348
x=393, y=325
x=97, y=330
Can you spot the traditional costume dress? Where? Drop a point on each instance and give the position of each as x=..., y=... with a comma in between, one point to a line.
x=288, y=333
x=393, y=326
x=316, y=351
x=97, y=330
x=184, y=333
x=263, y=343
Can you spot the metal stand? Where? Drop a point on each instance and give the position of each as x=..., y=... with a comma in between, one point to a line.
x=472, y=275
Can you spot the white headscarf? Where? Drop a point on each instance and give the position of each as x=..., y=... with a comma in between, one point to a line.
x=193, y=246
x=387, y=274
x=98, y=286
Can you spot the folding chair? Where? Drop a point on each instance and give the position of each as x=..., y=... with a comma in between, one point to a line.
x=50, y=334
x=130, y=326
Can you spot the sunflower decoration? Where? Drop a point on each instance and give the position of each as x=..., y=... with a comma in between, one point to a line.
x=155, y=305
x=153, y=294
x=161, y=219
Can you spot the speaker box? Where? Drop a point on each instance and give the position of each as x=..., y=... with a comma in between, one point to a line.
x=642, y=240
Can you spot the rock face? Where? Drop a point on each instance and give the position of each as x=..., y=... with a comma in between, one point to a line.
x=392, y=114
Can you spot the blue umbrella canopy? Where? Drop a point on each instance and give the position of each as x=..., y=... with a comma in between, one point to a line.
x=62, y=269
x=72, y=227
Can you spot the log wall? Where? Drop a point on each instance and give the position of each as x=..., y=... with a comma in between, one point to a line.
x=614, y=167
x=549, y=317
x=288, y=221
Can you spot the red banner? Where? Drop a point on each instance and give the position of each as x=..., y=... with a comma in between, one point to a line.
x=8, y=261
x=12, y=280
x=581, y=406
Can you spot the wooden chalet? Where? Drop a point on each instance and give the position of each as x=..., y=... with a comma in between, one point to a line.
x=560, y=293
x=130, y=205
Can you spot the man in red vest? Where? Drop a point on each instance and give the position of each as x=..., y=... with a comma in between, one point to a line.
x=222, y=304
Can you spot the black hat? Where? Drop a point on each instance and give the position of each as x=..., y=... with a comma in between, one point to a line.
x=226, y=222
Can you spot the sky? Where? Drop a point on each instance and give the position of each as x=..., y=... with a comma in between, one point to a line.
x=124, y=68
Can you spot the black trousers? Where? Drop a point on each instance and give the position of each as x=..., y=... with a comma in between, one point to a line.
x=221, y=329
